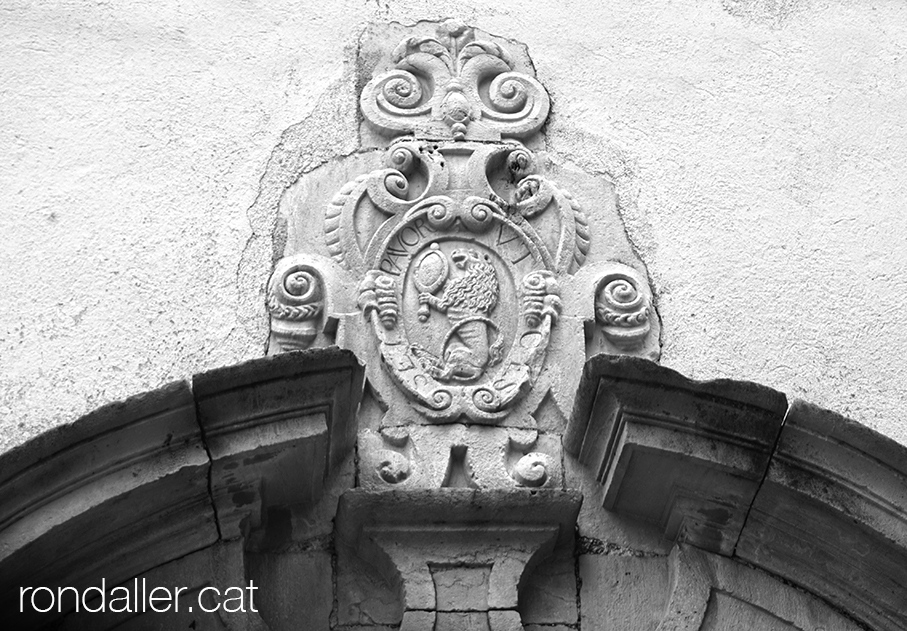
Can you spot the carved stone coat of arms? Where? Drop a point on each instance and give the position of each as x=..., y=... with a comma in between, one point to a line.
x=469, y=280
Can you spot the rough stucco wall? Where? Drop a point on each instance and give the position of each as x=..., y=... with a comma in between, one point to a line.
x=757, y=147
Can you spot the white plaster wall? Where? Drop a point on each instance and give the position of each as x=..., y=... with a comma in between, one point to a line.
x=758, y=147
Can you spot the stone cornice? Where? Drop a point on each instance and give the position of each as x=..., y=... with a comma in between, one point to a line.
x=284, y=423
x=141, y=482
x=802, y=492
x=684, y=455
x=110, y=494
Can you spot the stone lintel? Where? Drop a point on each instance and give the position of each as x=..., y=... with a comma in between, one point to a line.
x=687, y=456
x=456, y=552
x=831, y=515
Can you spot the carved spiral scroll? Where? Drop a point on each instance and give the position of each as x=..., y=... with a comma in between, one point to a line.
x=480, y=214
x=509, y=93
x=516, y=102
x=441, y=399
x=520, y=163
x=400, y=93
x=297, y=294
x=297, y=302
x=480, y=94
x=486, y=399
x=622, y=306
x=531, y=470
x=402, y=158
x=440, y=213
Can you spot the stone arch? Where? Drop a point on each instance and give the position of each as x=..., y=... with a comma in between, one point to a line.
x=784, y=515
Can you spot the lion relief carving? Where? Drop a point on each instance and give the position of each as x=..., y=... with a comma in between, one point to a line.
x=473, y=342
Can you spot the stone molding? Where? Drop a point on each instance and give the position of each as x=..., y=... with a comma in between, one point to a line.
x=829, y=515
x=276, y=429
x=725, y=466
x=120, y=490
x=457, y=556
x=832, y=515
x=158, y=476
x=707, y=591
x=686, y=456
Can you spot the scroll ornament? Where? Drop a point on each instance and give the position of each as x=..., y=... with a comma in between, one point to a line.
x=295, y=304
x=453, y=85
x=622, y=307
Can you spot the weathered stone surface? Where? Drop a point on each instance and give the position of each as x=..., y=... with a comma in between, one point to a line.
x=622, y=592
x=275, y=427
x=210, y=578
x=479, y=457
x=294, y=586
x=614, y=530
x=742, y=216
x=694, y=591
x=710, y=593
x=455, y=550
x=501, y=356
x=364, y=597
x=684, y=455
x=130, y=486
x=549, y=595
x=831, y=515
x=120, y=490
